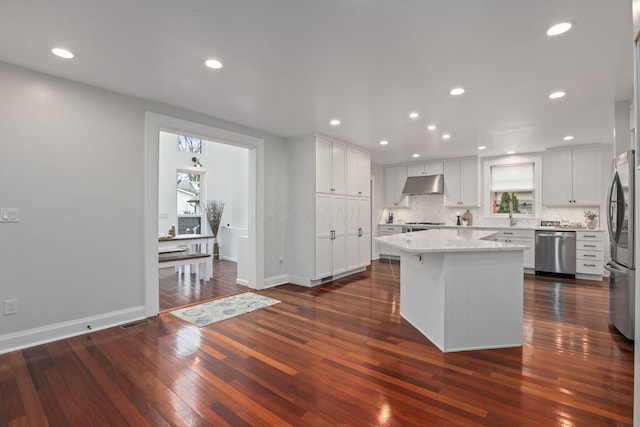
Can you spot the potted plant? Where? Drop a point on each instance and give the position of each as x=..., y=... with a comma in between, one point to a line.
x=214, y=216
x=591, y=219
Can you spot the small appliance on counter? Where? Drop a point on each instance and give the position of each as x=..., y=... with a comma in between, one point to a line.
x=390, y=218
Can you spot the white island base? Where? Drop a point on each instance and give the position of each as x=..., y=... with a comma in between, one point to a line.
x=464, y=300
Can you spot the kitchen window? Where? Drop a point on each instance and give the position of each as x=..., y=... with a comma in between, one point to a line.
x=189, y=144
x=512, y=188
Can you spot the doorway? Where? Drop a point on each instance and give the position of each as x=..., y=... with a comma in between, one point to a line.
x=200, y=180
x=253, y=260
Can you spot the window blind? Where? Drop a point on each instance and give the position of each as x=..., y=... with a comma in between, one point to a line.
x=512, y=177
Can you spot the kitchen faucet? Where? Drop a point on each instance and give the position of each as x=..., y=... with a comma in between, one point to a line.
x=512, y=221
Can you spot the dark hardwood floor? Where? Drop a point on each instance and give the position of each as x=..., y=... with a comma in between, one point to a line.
x=339, y=354
x=180, y=289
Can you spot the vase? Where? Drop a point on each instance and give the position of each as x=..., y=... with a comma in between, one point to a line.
x=216, y=249
x=590, y=223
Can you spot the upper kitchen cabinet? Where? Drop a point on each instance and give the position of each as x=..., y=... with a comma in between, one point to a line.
x=358, y=173
x=571, y=177
x=331, y=166
x=395, y=178
x=461, y=183
x=422, y=169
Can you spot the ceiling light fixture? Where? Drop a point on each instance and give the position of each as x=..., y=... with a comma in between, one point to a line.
x=568, y=137
x=558, y=94
x=559, y=28
x=334, y=122
x=62, y=53
x=456, y=91
x=416, y=155
x=213, y=63
x=446, y=136
x=384, y=142
x=482, y=147
x=414, y=115
x=511, y=152
x=431, y=127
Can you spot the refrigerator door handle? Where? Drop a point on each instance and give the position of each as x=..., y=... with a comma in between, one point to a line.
x=613, y=235
x=609, y=267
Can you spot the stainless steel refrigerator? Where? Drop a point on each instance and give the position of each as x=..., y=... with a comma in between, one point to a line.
x=620, y=211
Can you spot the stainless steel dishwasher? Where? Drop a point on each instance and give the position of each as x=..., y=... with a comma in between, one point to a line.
x=556, y=252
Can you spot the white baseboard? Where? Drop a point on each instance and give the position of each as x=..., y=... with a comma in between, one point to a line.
x=243, y=282
x=270, y=282
x=375, y=257
x=45, y=334
x=228, y=258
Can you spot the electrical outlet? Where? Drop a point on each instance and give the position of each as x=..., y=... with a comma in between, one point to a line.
x=10, y=306
x=9, y=215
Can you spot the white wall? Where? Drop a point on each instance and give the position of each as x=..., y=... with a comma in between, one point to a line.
x=73, y=163
x=226, y=171
x=377, y=172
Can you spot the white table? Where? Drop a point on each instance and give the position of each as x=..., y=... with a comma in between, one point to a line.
x=206, y=242
x=460, y=291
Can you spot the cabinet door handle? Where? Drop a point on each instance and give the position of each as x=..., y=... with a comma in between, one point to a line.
x=588, y=265
x=359, y=232
x=589, y=246
x=589, y=256
x=589, y=235
x=507, y=232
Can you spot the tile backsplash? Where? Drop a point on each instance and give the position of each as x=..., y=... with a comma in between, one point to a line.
x=431, y=208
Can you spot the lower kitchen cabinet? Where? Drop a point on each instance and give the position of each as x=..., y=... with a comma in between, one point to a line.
x=520, y=237
x=589, y=254
x=331, y=235
x=389, y=230
x=358, y=232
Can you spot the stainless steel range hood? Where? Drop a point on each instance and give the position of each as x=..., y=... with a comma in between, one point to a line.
x=430, y=184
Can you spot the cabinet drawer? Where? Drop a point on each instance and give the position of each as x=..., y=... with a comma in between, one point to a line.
x=589, y=235
x=390, y=229
x=515, y=234
x=589, y=267
x=589, y=255
x=585, y=245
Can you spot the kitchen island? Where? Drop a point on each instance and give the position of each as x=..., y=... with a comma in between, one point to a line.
x=459, y=289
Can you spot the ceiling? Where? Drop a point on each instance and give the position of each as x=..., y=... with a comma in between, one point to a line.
x=290, y=66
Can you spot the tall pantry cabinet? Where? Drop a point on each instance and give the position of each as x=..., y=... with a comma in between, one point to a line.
x=330, y=209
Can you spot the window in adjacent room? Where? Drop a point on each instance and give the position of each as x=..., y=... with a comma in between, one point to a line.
x=512, y=185
x=189, y=144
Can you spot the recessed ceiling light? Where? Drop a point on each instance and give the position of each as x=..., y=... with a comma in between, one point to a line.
x=456, y=91
x=334, y=122
x=416, y=155
x=568, y=137
x=213, y=63
x=384, y=142
x=511, y=152
x=446, y=136
x=482, y=147
x=431, y=127
x=62, y=53
x=558, y=94
x=559, y=28
x=414, y=115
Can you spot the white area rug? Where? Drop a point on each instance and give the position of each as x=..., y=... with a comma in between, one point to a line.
x=221, y=309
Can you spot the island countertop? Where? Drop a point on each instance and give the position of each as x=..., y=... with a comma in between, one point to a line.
x=467, y=240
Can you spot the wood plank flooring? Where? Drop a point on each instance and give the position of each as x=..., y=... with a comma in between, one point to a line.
x=180, y=289
x=339, y=354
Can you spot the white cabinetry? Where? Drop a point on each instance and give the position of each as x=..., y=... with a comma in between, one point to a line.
x=358, y=173
x=331, y=162
x=590, y=254
x=571, y=177
x=520, y=237
x=461, y=183
x=317, y=225
x=358, y=232
x=421, y=169
x=395, y=178
x=384, y=250
x=331, y=235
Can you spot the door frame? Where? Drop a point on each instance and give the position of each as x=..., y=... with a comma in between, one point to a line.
x=154, y=123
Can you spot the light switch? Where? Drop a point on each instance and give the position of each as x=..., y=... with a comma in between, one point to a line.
x=9, y=215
